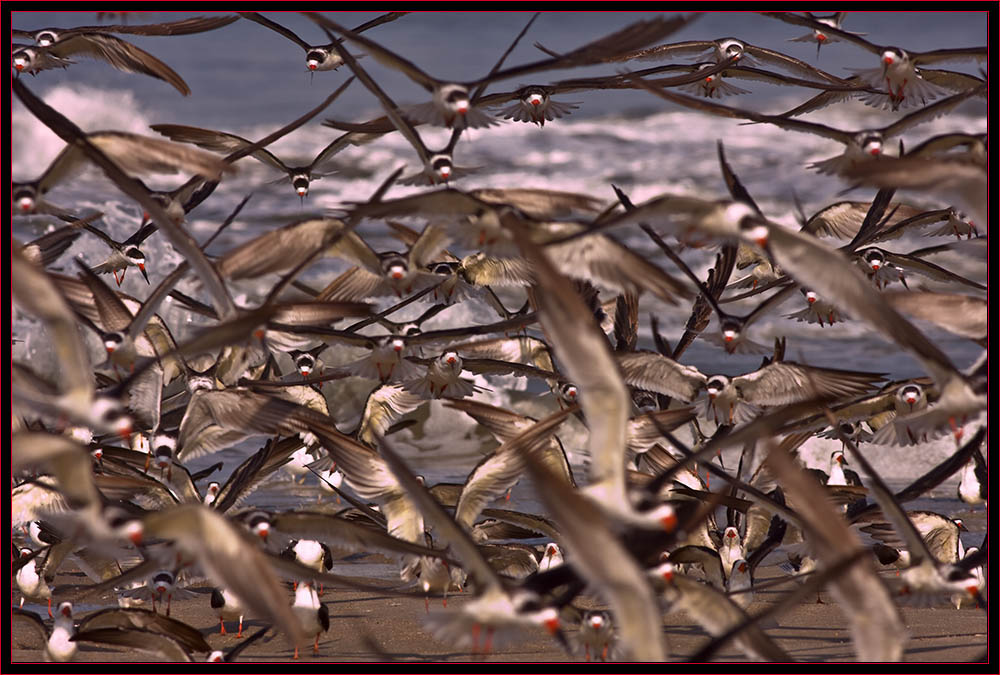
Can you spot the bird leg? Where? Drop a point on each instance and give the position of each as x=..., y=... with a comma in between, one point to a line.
x=475, y=638
x=604, y=652
x=586, y=651
x=240, y=632
x=316, y=645
x=955, y=428
x=296, y=656
x=222, y=626
x=50, y=608
x=169, y=598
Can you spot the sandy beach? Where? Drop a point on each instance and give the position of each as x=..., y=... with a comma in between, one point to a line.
x=366, y=626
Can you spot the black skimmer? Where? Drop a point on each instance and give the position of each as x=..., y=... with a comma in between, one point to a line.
x=861, y=147
x=734, y=52
x=45, y=37
x=59, y=644
x=972, y=489
x=496, y=606
x=101, y=46
x=452, y=103
x=46, y=249
x=318, y=57
x=227, y=606
x=875, y=621
x=713, y=610
x=598, y=633
x=820, y=36
x=311, y=613
x=933, y=543
x=900, y=71
x=30, y=580
x=299, y=176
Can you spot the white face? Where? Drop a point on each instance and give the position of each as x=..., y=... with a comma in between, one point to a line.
x=163, y=441
x=731, y=48
x=21, y=61
x=535, y=100
x=729, y=335
x=452, y=360
x=872, y=146
x=811, y=297
x=715, y=386
x=26, y=204
x=397, y=272
x=910, y=394
x=758, y=234
x=45, y=38
x=397, y=345
x=442, y=168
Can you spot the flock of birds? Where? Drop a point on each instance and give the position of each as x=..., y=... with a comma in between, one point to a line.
x=101, y=455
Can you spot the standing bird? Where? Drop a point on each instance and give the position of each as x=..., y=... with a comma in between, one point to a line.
x=31, y=583
x=60, y=645
x=311, y=613
x=227, y=606
x=972, y=489
x=596, y=631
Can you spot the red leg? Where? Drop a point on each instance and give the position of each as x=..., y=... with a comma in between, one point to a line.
x=475, y=638
x=240, y=632
x=222, y=627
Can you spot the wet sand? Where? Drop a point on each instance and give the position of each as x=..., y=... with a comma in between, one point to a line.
x=365, y=626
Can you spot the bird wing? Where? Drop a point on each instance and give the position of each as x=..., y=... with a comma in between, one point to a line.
x=120, y=54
